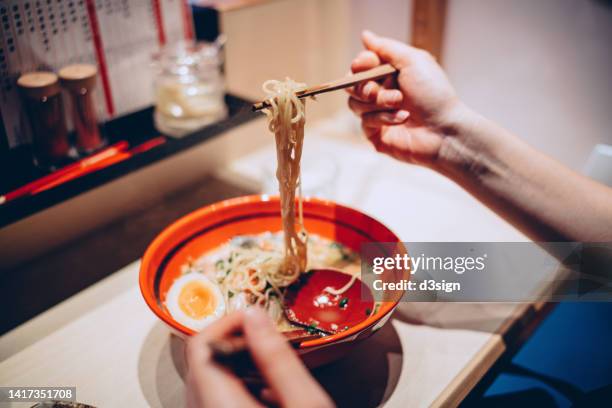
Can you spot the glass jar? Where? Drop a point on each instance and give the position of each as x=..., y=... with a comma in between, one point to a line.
x=189, y=87
x=45, y=111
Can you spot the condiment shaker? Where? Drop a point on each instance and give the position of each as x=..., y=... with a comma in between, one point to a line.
x=80, y=80
x=42, y=97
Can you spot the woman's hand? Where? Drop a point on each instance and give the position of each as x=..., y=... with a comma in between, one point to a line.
x=212, y=385
x=418, y=118
x=406, y=117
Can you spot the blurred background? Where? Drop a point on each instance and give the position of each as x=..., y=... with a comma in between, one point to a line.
x=155, y=119
x=541, y=70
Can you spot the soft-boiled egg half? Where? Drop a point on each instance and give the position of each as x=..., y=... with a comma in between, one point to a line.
x=195, y=301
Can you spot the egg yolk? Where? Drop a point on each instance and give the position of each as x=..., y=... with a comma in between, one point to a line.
x=196, y=300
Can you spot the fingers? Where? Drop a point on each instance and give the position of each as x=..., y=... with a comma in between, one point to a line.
x=368, y=91
x=223, y=327
x=269, y=397
x=384, y=94
x=278, y=362
x=384, y=99
x=377, y=127
x=379, y=50
x=388, y=50
x=365, y=60
x=365, y=91
x=288, y=379
x=197, y=353
x=390, y=118
x=390, y=140
x=197, y=350
x=208, y=383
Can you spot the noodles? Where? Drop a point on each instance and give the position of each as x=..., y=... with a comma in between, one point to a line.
x=336, y=292
x=255, y=270
x=286, y=117
x=244, y=267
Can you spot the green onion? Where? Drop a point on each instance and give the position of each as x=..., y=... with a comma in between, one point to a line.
x=368, y=312
x=343, y=302
x=230, y=294
x=312, y=329
x=219, y=264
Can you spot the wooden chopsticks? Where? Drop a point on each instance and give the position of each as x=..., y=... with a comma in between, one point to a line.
x=369, y=75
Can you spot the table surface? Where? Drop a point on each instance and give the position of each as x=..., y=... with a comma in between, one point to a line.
x=107, y=343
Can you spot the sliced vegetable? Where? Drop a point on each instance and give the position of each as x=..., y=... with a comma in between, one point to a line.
x=312, y=329
x=343, y=302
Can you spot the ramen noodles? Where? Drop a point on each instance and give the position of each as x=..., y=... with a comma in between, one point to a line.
x=255, y=270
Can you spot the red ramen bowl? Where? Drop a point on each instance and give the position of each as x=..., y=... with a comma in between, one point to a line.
x=209, y=227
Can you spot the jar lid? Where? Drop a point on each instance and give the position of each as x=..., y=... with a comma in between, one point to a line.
x=77, y=77
x=39, y=84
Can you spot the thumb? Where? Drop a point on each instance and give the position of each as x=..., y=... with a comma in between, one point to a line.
x=277, y=361
x=392, y=51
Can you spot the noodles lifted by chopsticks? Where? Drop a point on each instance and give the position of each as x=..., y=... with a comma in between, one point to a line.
x=286, y=116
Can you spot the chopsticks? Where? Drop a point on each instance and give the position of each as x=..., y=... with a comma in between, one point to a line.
x=106, y=157
x=369, y=75
x=234, y=353
x=70, y=169
x=233, y=349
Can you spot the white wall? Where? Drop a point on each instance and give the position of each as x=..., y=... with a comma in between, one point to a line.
x=390, y=18
x=304, y=40
x=540, y=68
x=311, y=41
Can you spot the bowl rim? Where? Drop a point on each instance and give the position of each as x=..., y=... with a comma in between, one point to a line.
x=146, y=260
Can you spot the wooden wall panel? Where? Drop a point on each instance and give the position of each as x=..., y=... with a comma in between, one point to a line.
x=428, y=25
